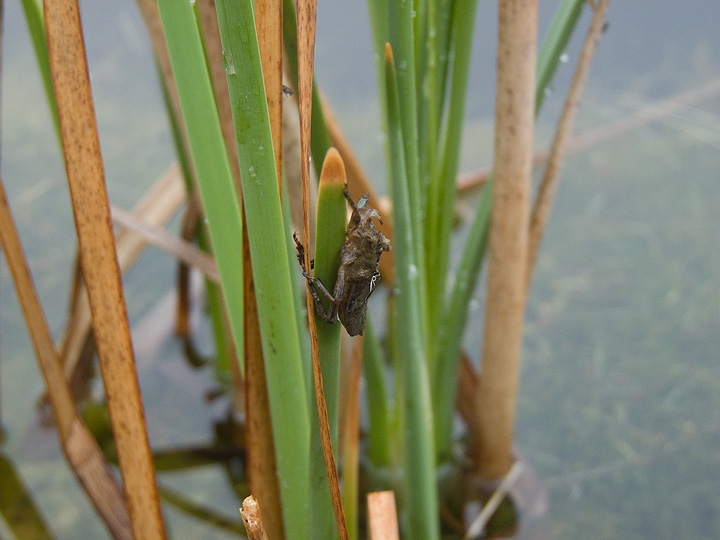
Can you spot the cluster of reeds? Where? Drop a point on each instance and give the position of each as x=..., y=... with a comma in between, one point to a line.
x=222, y=68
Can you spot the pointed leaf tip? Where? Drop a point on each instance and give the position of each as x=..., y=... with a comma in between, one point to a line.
x=333, y=169
x=389, y=54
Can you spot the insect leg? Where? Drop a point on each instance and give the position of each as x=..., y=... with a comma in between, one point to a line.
x=301, y=254
x=315, y=284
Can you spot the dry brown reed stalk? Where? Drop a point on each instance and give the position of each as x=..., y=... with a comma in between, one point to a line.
x=268, y=23
x=478, y=525
x=514, y=117
x=382, y=516
x=80, y=448
x=548, y=185
x=306, y=20
x=292, y=170
x=359, y=184
x=83, y=163
x=252, y=519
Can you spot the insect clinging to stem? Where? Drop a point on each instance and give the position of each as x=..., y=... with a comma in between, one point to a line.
x=358, y=273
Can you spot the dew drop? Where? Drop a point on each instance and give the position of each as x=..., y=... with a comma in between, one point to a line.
x=228, y=63
x=564, y=58
x=252, y=171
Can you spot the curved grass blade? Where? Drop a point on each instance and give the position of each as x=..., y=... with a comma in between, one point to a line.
x=209, y=157
x=440, y=209
x=329, y=238
x=271, y=269
x=421, y=498
x=400, y=37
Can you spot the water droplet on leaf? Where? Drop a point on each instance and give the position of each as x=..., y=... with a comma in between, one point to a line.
x=228, y=63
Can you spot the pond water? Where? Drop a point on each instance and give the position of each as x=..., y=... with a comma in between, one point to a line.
x=619, y=407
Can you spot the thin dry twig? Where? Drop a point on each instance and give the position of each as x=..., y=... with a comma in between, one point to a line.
x=159, y=237
x=268, y=22
x=477, y=526
x=307, y=13
x=548, y=185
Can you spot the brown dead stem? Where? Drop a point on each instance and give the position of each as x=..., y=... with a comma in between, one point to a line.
x=83, y=163
x=514, y=117
x=307, y=13
x=548, y=185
